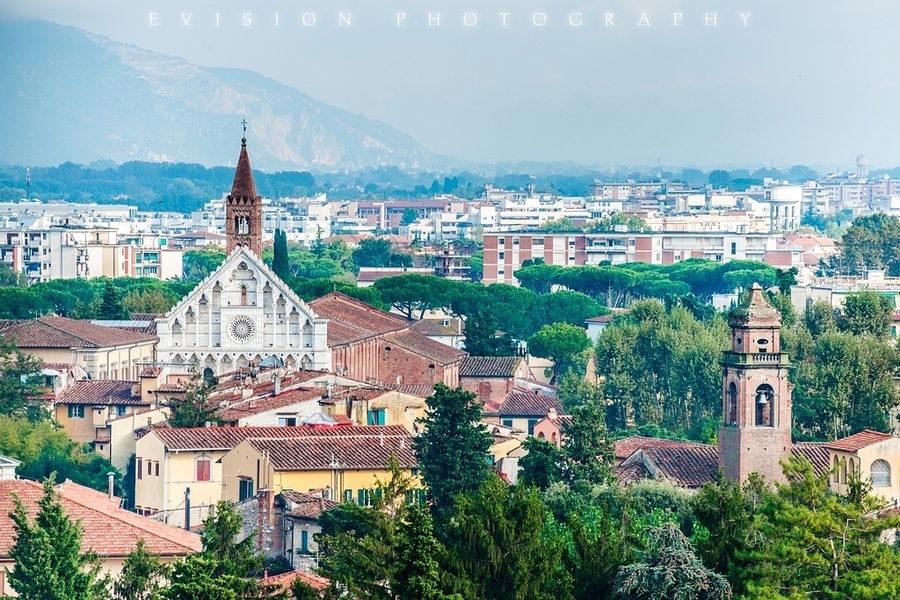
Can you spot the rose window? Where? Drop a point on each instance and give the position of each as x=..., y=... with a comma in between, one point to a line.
x=242, y=329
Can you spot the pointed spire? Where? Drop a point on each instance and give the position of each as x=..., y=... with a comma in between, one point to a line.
x=243, y=176
x=755, y=310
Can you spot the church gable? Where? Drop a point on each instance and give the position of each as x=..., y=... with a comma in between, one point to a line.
x=241, y=313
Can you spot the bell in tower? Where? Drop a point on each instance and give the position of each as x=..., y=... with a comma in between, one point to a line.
x=755, y=435
x=243, y=207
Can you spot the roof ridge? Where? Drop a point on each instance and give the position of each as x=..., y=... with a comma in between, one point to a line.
x=74, y=335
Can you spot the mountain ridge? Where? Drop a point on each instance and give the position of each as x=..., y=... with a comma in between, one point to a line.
x=78, y=96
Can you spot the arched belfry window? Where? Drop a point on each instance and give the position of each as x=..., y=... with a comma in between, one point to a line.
x=764, y=406
x=881, y=473
x=243, y=295
x=731, y=405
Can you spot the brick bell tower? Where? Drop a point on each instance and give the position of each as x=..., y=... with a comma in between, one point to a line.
x=243, y=207
x=756, y=431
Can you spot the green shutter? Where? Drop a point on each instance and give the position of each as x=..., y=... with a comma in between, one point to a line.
x=361, y=497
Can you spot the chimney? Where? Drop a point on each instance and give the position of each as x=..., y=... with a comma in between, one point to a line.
x=551, y=414
x=381, y=439
x=277, y=381
x=112, y=485
x=207, y=424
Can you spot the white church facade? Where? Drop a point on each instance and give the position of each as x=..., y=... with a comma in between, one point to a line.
x=242, y=314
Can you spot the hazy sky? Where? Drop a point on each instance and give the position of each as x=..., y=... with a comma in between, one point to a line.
x=805, y=81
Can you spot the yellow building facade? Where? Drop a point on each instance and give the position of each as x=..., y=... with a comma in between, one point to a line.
x=347, y=461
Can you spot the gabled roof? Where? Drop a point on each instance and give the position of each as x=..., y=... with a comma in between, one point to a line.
x=436, y=328
x=854, y=442
x=684, y=464
x=627, y=446
x=355, y=319
x=60, y=332
x=489, y=366
x=525, y=403
x=100, y=393
x=255, y=406
x=109, y=530
x=285, y=580
x=240, y=253
x=226, y=438
x=816, y=453
x=305, y=506
x=427, y=347
x=365, y=448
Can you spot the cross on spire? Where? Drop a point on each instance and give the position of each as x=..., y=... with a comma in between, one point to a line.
x=244, y=139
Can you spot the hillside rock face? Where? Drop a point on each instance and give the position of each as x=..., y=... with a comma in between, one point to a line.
x=69, y=95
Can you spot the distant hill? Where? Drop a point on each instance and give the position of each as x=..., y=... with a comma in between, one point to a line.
x=69, y=95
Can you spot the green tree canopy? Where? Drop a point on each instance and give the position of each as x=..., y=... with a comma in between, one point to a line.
x=558, y=342
x=49, y=562
x=453, y=449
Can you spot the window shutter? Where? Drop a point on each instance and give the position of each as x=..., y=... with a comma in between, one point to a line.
x=203, y=470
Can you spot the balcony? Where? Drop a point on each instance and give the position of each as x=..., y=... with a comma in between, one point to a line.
x=756, y=359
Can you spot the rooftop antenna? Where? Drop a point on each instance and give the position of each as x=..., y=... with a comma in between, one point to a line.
x=28, y=183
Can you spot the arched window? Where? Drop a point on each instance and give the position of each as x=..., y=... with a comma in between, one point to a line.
x=764, y=401
x=731, y=414
x=881, y=473
x=836, y=467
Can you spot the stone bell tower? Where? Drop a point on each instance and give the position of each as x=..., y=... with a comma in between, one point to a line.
x=756, y=430
x=243, y=209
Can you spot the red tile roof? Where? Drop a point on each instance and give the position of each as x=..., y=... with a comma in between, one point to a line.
x=349, y=447
x=356, y=320
x=627, y=446
x=226, y=438
x=489, y=366
x=526, y=403
x=151, y=372
x=255, y=406
x=108, y=530
x=427, y=347
x=60, y=332
x=690, y=466
x=419, y=390
x=816, y=453
x=100, y=392
x=859, y=440
x=435, y=328
x=287, y=579
x=631, y=473
x=305, y=506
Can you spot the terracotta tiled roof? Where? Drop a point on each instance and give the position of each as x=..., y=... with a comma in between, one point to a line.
x=226, y=438
x=151, y=372
x=626, y=446
x=434, y=328
x=60, y=332
x=526, y=403
x=305, y=506
x=600, y=319
x=816, y=453
x=357, y=320
x=427, y=347
x=631, y=473
x=100, y=392
x=255, y=406
x=489, y=366
x=108, y=530
x=61, y=367
x=419, y=390
x=364, y=448
x=691, y=465
x=287, y=579
x=859, y=440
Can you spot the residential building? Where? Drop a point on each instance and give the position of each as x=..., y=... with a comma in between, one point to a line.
x=346, y=460
x=169, y=462
x=873, y=456
x=377, y=406
x=85, y=409
x=108, y=530
x=103, y=352
x=492, y=378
